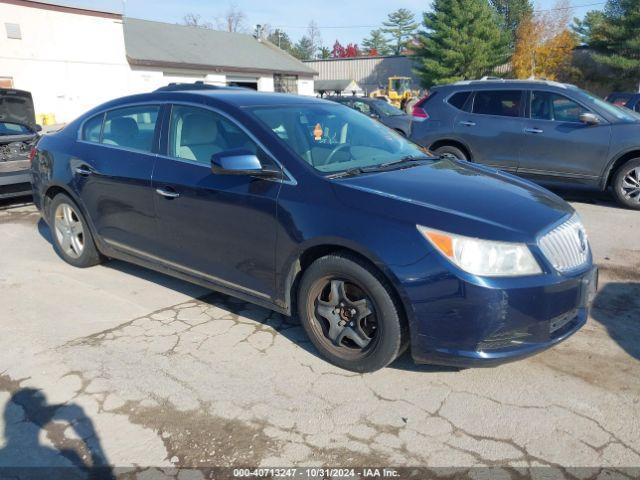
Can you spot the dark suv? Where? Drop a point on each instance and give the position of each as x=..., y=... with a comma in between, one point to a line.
x=552, y=133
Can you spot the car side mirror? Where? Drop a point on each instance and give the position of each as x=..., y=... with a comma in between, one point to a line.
x=589, y=118
x=241, y=162
x=38, y=128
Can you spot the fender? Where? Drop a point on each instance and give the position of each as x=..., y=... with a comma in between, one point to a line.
x=607, y=171
x=453, y=138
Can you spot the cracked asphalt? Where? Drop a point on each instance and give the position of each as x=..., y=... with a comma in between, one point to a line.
x=119, y=365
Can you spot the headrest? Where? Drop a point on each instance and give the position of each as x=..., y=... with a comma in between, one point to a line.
x=198, y=128
x=124, y=127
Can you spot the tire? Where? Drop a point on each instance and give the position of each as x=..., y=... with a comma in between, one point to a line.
x=376, y=339
x=452, y=151
x=70, y=234
x=626, y=184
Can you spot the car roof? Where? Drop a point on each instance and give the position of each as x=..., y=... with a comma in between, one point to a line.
x=509, y=83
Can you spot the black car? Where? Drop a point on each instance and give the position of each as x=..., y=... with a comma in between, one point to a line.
x=18, y=135
x=552, y=133
x=376, y=108
x=629, y=100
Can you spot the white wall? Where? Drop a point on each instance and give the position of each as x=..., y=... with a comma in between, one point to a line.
x=72, y=62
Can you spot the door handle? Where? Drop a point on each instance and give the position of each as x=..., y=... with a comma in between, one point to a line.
x=83, y=170
x=533, y=130
x=167, y=193
x=467, y=123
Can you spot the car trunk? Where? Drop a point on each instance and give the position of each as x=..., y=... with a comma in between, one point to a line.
x=17, y=129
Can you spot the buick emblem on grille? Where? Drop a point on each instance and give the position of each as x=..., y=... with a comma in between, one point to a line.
x=583, y=241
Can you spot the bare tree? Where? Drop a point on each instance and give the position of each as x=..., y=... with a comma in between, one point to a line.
x=313, y=33
x=234, y=20
x=195, y=20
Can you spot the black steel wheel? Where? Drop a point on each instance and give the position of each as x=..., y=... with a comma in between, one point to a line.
x=349, y=313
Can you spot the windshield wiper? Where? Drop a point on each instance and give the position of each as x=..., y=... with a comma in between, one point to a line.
x=351, y=172
x=405, y=162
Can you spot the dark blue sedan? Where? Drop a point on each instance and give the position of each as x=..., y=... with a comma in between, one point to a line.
x=311, y=209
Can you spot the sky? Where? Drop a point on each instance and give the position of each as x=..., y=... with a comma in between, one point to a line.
x=346, y=20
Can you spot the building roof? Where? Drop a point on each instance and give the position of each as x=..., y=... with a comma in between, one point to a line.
x=160, y=44
x=65, y=7
x=335, y=85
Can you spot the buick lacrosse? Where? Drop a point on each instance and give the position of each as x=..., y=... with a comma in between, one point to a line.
x=311, y=209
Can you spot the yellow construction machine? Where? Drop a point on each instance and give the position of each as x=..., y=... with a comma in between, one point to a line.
x=397, y=93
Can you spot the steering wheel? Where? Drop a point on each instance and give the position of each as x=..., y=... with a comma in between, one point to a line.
x=338, y=148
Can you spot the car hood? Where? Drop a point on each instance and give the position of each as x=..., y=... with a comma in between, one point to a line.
x=16, y=106
x=457, y=197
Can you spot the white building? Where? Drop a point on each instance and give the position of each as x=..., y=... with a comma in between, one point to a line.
x=72, y=59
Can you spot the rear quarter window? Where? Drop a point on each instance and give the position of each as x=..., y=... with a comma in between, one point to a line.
x=459, y=99
x=92, y=128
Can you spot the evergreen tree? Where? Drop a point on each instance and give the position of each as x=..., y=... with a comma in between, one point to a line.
x=376, y=41
x=462, y=40
x=304, y=49
x=324, y=53
x=614, y=36
x=281, y=40
x=401, y=26
x=512, y=13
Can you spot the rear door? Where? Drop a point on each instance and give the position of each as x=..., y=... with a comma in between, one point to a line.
x=556, y=146
x=112, y=174
x=493, y=126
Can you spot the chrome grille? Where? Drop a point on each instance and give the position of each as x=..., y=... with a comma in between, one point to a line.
x=566, y=246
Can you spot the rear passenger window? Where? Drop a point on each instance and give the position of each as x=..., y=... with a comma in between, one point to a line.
x=197, y=133
x=131, y=127
x=459, y=99
x=92, y=128
x=505, y=103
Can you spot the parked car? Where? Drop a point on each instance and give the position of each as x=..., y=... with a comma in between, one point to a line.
x=311, y=209
x=18, y=135
x=629, y=100
x=552, y=133
x=376, y=108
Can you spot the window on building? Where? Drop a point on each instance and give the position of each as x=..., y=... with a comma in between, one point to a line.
x=505, y=103
x=285, y=83
x=13, y=31
x=131, y=127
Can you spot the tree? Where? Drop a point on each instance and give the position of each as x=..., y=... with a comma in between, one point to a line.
x=614, y=37
x=313, y=32
x=462, y=40
x=544, y=46
x=281, y=40
x=512, y=13
x=591, y=28
x=338, y=50
x=378, y=42
x=352, y=50
x=195, y=20
x=324, y=53
x=303, y=50
x=401, y=25
x=234, y=20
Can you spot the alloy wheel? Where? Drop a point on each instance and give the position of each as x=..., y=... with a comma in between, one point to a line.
x=631, y=185
x=69, y=231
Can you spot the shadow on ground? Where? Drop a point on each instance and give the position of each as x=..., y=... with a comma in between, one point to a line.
x=26, y=416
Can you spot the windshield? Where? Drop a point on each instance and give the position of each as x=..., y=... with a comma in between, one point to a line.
x=622, y=114
x=8, y=128
x=334, y=138
x=386, y=109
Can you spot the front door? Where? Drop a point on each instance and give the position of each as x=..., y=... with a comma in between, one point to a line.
x=493, y=127
x=220, y=228
x=112, y=174
x=557, y=147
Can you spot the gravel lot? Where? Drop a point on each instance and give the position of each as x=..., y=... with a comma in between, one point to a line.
x=151, y=371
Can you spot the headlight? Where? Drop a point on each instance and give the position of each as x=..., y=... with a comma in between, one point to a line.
x=483, y=257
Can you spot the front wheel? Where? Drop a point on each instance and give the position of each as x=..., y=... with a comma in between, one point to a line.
x=626, y=184
x=349, y=314
x=450, y=151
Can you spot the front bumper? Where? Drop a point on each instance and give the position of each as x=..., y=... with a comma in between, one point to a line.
x=486, y=322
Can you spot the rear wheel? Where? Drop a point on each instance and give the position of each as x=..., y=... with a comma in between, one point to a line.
x=72, y=239
x=349, y=314
x=449, y=150
x=626, y=184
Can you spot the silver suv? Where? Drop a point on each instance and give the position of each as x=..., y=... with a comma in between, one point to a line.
x=552, y=133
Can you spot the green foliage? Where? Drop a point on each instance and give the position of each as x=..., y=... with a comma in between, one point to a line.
x=512, y=12
x=281, y=40
x=614, y=37
x=324, y=53
x=462, y=40
x=401, y=26
x=304, y=49
x=376, y=41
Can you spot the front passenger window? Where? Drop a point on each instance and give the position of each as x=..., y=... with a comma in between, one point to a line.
x=552, y=106
x=197, y=133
